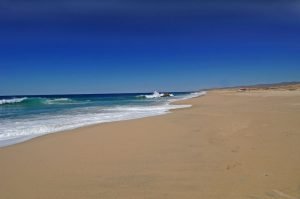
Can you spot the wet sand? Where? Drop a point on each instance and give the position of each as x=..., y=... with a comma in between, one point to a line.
x=230, y=144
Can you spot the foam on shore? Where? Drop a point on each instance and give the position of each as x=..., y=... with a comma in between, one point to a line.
x=15, y=130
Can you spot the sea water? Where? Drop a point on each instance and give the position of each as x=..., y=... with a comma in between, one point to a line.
x=26, y=117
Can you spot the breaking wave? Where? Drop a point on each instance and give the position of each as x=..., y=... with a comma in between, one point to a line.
x=156, y=94
x=12, y=101
x=34, y=101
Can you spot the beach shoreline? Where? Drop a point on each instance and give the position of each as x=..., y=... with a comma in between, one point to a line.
x=229, y=144
x=168, y=106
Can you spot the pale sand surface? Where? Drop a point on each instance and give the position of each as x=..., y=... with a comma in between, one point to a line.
x=228, y=145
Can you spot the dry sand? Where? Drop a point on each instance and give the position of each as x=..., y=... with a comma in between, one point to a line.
x=228, y=145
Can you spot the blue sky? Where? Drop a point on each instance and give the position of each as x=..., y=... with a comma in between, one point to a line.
x=72, y=46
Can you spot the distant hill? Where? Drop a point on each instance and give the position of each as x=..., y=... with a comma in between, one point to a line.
x=284, y=85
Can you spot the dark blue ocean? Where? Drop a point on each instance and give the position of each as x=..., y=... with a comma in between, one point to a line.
x=26, y=117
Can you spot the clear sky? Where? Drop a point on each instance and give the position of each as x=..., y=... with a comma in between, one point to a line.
x=100, y=46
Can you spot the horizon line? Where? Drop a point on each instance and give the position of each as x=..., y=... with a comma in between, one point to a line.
x=197, y=90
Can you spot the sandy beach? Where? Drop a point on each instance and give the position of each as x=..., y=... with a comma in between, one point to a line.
x=228, y=145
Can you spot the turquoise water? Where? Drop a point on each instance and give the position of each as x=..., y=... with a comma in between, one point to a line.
x=26, y=117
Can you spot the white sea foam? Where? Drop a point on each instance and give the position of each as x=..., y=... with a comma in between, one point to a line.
x=20, y=129
x=61, y=99
x=155, y=94
x=57, y=100
x=12, y=101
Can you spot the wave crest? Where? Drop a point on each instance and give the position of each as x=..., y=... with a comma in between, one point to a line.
x=156, y=94
x=57, y=100
x=12, y=101
x=35, y=101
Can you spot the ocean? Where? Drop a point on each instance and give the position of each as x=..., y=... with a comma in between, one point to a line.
x=25, y=117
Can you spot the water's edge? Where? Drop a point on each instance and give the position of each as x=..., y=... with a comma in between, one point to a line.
x=172, y=103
